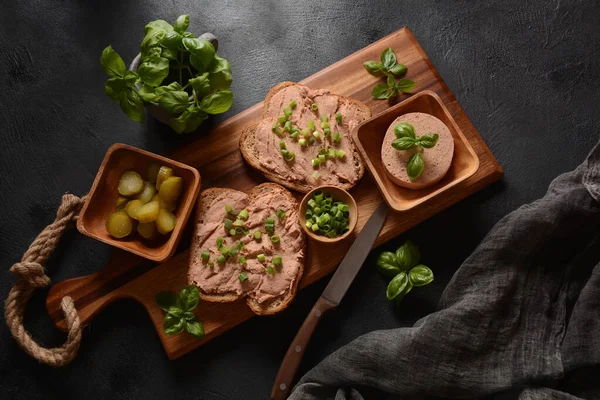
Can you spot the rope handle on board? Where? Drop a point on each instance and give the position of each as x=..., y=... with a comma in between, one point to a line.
x=32, y=275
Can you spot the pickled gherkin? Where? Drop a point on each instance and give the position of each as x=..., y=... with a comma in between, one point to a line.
x=133, y=207
x=148, y=212
x=131, y=183
x=121, y=203
x=147, y=230
x=148, y=193
x=165, y=222
x=119, y=224
x=153, y=172
x=163, y=174
x=171, y=189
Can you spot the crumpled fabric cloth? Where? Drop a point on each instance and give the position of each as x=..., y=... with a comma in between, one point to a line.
x=520, y=319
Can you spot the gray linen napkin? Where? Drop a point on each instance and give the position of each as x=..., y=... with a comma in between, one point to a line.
x=519, y=319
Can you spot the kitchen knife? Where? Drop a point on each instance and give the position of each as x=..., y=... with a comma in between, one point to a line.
x=331, y=297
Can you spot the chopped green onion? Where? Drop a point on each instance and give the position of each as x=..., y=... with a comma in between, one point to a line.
x=221, y=259
x=340, y=154
x=242, y=260
x=238, y=222
x=315, y=228
x=288, y=126
x=261, y=257
x=224, y=250
x=270, y=220
x=240, y=245
x=278, y=132
x=315, y=162
x=243, y=277
x=295, y=135
x=270, y=270
x=287, y=155
x=282, y=119
x=311, y=141
x=316, y=175
x=228, y=223
x=308, y=224
x=332, y=153
x=312, y=203
x=282, y=145
x=314, y=107
x=243, y=214
x=219, y=241
x=327, y=132
x=337, y=137
x=318, y=196
x=270, y=228
x=205, y=255
x=338, y=118
x=323, y=150
x=311, y=125
x=275, y=126
x=322, y=158
x=306, y=133
x=325, y=216
x=302, y=142
x=228, y=209
x=287, y=112
x=275, y=239
x=239, y=230
x=277, y=261
x=210, y=263
x=257, y=235
x=232, y=251
x=280, y=214
x=293, y=104
x=324, y=118
x=317, y=135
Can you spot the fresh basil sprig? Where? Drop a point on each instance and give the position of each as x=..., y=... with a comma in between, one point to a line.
x=180, y=315
x=389, y=68
x=181, y=73
x=407, y=139
x=404, y=268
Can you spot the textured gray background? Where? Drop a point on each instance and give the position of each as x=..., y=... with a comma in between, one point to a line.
x=526, y=72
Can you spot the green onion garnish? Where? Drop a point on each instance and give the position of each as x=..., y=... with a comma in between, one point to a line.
x=295, y=135
x=278, y=132
x=314, y=107
x=270, y=220
x=270, y=228
x=327, y=132
x=270, y=270
x=240, y=245
x=242, y=260
x=280, y=214
x=232, y=251
x=326, y=216
x=277, y=261
x=275, y=126
x=210, y=263
x=331, y=153
x=337, y=137
x=315, y=162
x=315, y=228
x=322, y=158
x=224, y=250
x=282, y=145
x=317, y=135
x=288, y=126
x=257, y=235
x=305, y=133
x=316, y=175
x=282, y=119
x=228, y=223
x=275, y=239
x=261, y=257
x=205, y=255
x=311, y=125
x=287, y=155
x=311, y=141
x=221, y=259
x=228, y=209
x=243, y=214
x=302, y=142
x=293, y=104
x=340, y=154
x=243, y=277
x=338, y=118
x=219, y=241
x=287, y=112
x=238, y=222
x=324, y=118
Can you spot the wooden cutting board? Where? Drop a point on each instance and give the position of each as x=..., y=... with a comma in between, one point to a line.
x=218, y=159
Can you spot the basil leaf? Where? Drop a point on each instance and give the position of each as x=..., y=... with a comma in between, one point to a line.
x=154, y=52
x=170, y=54
x=172, y=40
x=111, y=62
x=219, y=64
x=195, y=120
x=408, y=255
x=381, y=91
x=165, y=300
x=404, y=129
x=182, y=23
x=189, y=315
x=220, y=80
x=397, y=285
x=398, y=70
x=146, y=92
x=391, y=82
x=415, y=166
x=154, y=71
x=403, y=294
x=175, y=101
x=202, y=52
x=173, y=325
x=131, y=78
x=189, y=297
x=195, y=329
x=188, y=35
x=132, y=104
x=176, y=311
x=420, y=275
x=404, y=143
x=387, y=264
x=429, y=140
x=388, y=58
x=152, y=39
x=217, y=103
x=201, y=83
x=405, y=85
x=113, y=88
x=374, y=67
x=169, y=88
x=159, y=24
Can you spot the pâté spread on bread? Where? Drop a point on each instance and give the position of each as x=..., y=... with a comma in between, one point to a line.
x=303, y=140
x=248, y=245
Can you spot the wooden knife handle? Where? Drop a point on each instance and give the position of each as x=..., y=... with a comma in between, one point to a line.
x=285, y=377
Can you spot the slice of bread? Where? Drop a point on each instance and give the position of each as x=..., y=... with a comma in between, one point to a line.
x=253, y=156
x=208, y=200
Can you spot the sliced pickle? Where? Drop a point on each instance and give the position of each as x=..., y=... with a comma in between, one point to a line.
x=165, y=205
x=133, y=208
x=131, y=183
x=148, y=212
x=119, y=225
x=171, y=189
x=147, y=230
x=121, y=203
x=163, y=174
x=148, y=193
x=165, y=222
x=153, y=172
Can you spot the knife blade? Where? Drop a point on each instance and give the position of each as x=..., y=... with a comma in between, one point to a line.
x=330, y=298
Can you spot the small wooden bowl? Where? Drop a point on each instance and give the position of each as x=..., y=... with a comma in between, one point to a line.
x=369, y=136
x=338, y=195
x=103, y=196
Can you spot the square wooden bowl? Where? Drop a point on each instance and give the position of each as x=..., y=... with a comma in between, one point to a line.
x=369, y=136
x=103, y=196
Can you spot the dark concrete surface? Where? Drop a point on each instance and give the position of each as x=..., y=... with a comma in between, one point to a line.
x=526, y=73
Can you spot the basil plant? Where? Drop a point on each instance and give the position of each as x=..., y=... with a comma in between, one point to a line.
x=181, y=73
x=404, y=269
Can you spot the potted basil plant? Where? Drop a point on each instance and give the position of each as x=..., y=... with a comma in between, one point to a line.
x=179, y=78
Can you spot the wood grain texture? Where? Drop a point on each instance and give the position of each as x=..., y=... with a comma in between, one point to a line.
x=218, y=159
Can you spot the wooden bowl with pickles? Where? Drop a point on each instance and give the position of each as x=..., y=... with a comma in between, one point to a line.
x=140, y=202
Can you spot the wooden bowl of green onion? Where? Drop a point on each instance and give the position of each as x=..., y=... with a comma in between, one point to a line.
x=328, y=214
